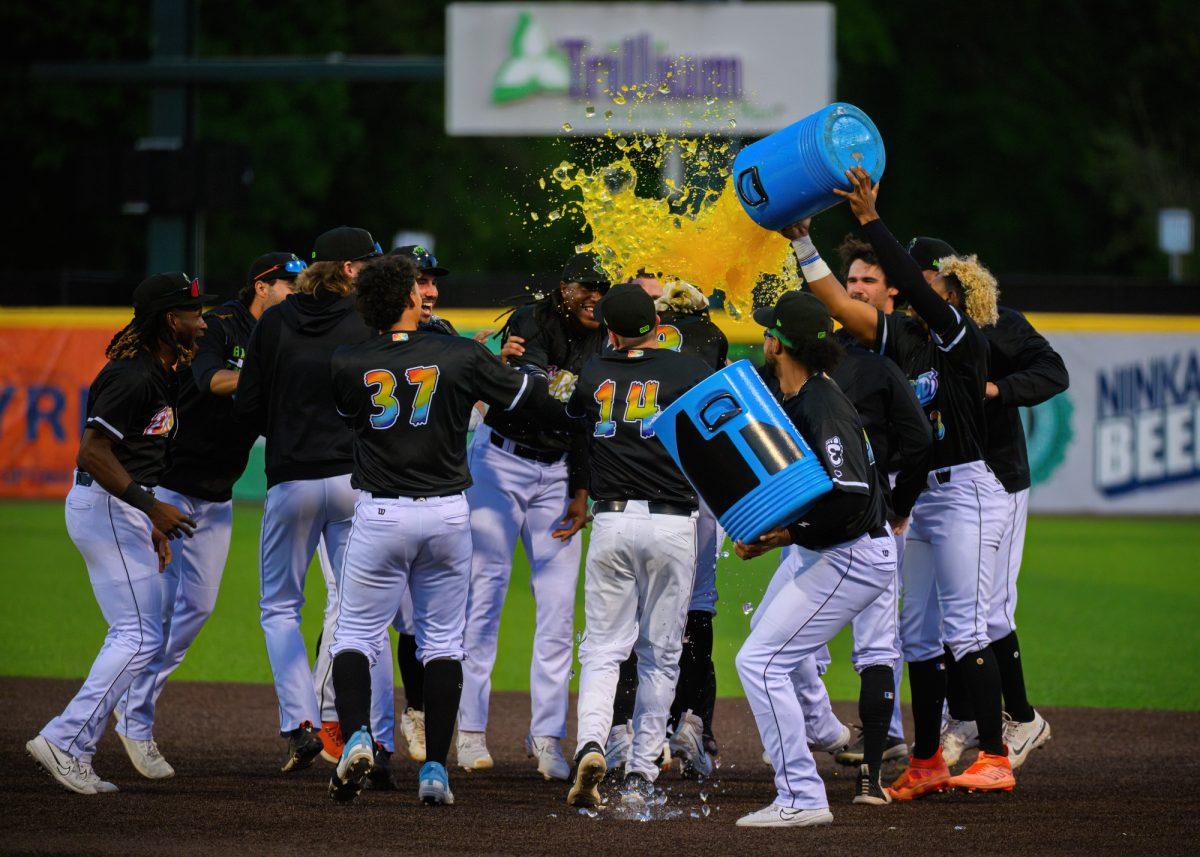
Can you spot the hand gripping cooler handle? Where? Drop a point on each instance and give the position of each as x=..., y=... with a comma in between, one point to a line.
x=712, y=422
x=747, y=181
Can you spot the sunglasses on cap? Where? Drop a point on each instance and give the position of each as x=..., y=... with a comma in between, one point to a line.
x=378, y=251
x=292, y=266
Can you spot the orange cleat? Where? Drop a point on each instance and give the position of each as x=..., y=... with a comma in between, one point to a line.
x=989, y=773
x=331, y=741
x=921, y=777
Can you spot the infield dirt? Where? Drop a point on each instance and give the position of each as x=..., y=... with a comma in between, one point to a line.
x=1110, y=781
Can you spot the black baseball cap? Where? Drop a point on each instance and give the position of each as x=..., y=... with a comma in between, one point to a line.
x=627, y=310
x=796, y=317
x=927, y=251
x=170, y=290
x=345, y=244
x=275, y=266
x=584, y=268
x=425, y=261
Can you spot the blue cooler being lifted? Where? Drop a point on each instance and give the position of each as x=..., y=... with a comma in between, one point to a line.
x=791, y=174
x=741, y=453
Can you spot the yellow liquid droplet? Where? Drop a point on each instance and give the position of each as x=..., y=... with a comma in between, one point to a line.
x=553, y=215
x=533, y=215
x=608, y=114
x=618, y=99
x=589, y=111
x=567, y=126
x=542, y=184
x=664, y=89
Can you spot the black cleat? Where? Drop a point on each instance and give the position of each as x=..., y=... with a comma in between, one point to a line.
x=590, y=768
x=868, y=790
x=380, y=778
x=304, y=745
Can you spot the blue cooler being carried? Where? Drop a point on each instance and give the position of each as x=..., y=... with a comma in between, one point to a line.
x=741, y=453
x=791, y=174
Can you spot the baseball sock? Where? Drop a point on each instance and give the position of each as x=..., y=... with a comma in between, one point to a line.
x=958, y=698
x=443, y=688
x=352, y=687
x=982, y=678
x=694, y=662
x=412, y=672
x=927, y=684
x=626, y=695
x=1012, y=678
x=876, y=696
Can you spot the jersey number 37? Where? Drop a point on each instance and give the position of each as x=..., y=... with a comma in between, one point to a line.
x=641, y=407
x=424, y=378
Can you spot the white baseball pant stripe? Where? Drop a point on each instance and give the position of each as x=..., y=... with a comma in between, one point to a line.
x=190, y=583
x=511, y=498
x=709, y=538
x=414, y=545
x=122, y=565
x=818, y=593
x=637, y=585
x=949, y=560
x=1002, y=618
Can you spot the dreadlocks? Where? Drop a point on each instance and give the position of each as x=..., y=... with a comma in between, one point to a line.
x=144, y=332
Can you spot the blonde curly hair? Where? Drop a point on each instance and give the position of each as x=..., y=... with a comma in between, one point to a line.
x=324, y=276
x=978, y=287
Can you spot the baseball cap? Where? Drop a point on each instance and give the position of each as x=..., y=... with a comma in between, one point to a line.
x=275, y=266
x=422, y=258
x=796, y=317
x=627, y=310
x=584, y=268
x=170, y=290
x=927, y=251
x=345, y=244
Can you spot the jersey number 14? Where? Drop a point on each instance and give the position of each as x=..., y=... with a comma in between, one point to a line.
x=641, y=407
x=424, y=378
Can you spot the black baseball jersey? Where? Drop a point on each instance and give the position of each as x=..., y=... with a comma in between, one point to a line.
x=618, y=396
x=284, y=393
x=1027, y=371
x=693, y=333
x=828, y=421
x=210, y=450
x=408, y=396
x=133, y=402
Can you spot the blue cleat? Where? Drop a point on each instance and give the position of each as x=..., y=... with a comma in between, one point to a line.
x=434, y=785
x=358, y=758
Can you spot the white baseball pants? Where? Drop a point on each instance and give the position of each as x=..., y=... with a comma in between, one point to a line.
x=637, y=586
x=190, y=583
x=709, y=538
x=511, y=498
x=1002, y=617
x=122, y=565
x=816, y=594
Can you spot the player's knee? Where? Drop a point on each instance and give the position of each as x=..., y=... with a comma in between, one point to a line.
x=751, y=662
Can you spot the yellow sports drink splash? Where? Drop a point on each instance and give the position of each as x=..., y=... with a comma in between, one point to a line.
x=695, y=233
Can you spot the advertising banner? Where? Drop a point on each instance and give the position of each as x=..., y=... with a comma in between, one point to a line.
x=542, y=69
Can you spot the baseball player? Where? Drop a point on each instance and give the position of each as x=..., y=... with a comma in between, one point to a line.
x=1023, y=371
x=208, y=454
x=684, y=325
x=641, y=559
x=842, y=557
x=408, y=395
x=524, y=488
x=956, y=522
x=114, y=518
x=284, y=392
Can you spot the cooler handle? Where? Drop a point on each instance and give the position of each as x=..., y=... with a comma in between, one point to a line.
x=732, y=409
x=750, y=176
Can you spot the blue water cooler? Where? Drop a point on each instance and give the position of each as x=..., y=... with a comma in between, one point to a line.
x=791, y=174
x=741, y=453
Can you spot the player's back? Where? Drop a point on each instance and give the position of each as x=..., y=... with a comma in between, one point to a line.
x=407, y=396
x=693, y=333
x=619, y=395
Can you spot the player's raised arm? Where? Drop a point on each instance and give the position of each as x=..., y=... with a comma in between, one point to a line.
x=858, y=318
x=1041, y=373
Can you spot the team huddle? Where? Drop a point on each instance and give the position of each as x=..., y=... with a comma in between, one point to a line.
x=366, y=399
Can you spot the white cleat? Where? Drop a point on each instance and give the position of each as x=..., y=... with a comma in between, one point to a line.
x=840, y=743
x=618, y=748
x=688, y=744
x=101, y=786
x=1023, y=738
x=68, y=770
x=472, y=751
x=958, y=736
x=146, y=758
x=774, y=815
x=551, y=763
x=412, y=726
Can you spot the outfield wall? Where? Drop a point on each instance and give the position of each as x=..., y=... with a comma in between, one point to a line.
x=1125, y=439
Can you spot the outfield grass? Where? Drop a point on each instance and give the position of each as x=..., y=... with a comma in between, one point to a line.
x=1108, y=611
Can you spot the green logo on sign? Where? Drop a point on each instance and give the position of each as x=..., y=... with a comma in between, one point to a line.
x=534, y=65
x=1048, y=433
